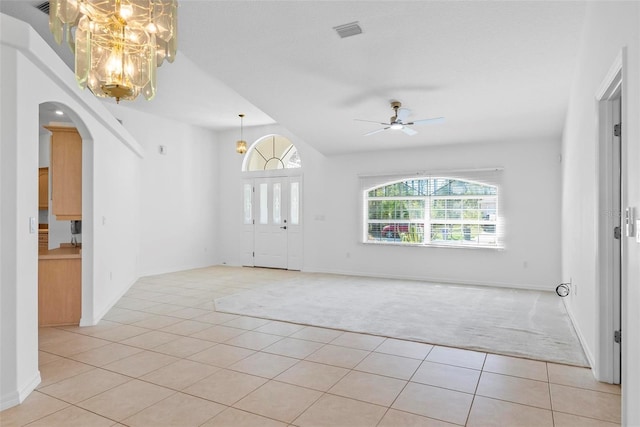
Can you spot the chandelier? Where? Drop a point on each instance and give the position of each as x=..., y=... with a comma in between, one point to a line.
x=118, y=44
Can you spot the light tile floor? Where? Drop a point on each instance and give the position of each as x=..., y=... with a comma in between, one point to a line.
x=164, y=357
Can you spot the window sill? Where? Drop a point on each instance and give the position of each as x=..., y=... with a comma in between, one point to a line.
x=433, y=245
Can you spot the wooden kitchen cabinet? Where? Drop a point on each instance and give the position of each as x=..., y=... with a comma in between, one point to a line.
x=66, y=173
x=59, y=286
x=43, y=188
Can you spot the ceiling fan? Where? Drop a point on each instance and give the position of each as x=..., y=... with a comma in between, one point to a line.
x=397, y=121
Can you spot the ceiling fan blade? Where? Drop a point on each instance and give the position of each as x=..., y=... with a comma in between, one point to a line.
x=403, y=113
x=371, y=121
x=375, y=131
x=408, y=131
x=425, y=121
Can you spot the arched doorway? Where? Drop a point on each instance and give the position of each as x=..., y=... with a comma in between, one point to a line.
x=66, y=231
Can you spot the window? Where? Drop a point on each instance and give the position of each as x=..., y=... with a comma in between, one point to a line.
x=434, y=210
x=270, y=153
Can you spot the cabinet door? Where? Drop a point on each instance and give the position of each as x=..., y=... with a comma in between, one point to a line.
x=66, y=173
x=43, y=188
x=59, y=291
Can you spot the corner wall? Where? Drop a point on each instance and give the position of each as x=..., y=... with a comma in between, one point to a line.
x=609, y=26
x=33, y=74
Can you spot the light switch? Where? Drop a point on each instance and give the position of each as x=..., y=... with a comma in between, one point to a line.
x=32, y=225
x=637, y=230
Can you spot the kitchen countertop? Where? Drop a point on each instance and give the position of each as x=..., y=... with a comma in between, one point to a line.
x=65, y=252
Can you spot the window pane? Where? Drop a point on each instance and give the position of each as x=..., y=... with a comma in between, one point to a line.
x=453, y=207
x=441, y=232
x=377, y=209
x=248, y=217
x=293, y=159
x=415, y=209
x=295, y=203
x=264, y=203
x=277, y=219
x=471, y=209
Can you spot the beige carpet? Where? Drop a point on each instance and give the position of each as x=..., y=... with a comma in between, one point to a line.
x=530, y=324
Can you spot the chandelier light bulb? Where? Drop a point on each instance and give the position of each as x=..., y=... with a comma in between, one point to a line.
x=126, y=11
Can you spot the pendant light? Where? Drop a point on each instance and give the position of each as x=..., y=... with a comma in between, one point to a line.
x=241, y=145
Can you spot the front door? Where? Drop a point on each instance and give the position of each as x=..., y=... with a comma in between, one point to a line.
x=272, y=232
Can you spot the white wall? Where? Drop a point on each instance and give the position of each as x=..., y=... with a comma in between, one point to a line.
x=609, y=27
x=31, y=75
x=529, y=201
x=332, y=206
x=179, y=191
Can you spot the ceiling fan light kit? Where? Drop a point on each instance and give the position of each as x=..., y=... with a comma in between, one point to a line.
x=398, y=121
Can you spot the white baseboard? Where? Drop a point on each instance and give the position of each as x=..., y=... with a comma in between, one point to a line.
x=583, y=342
x=98, y=317
x=16, y=397
x=522, y=286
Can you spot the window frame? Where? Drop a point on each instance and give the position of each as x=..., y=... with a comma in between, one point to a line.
x=426, y=227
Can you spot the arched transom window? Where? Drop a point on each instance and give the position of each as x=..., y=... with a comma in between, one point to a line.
x=272, y=152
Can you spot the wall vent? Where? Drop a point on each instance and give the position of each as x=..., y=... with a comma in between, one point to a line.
x=348, y=30
x=43, y=7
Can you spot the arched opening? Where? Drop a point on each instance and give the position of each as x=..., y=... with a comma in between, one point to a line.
x=65, y=229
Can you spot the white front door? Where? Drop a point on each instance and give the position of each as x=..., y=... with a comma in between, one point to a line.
x=270, y=244
x=272, y=234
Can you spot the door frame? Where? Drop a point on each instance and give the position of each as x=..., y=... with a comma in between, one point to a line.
x=295, y=234
x=609, y=260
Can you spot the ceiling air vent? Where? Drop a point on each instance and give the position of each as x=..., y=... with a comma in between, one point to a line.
x=43, y=7
x=348, y=30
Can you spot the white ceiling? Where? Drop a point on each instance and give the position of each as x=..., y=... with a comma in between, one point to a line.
x=497, y=70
